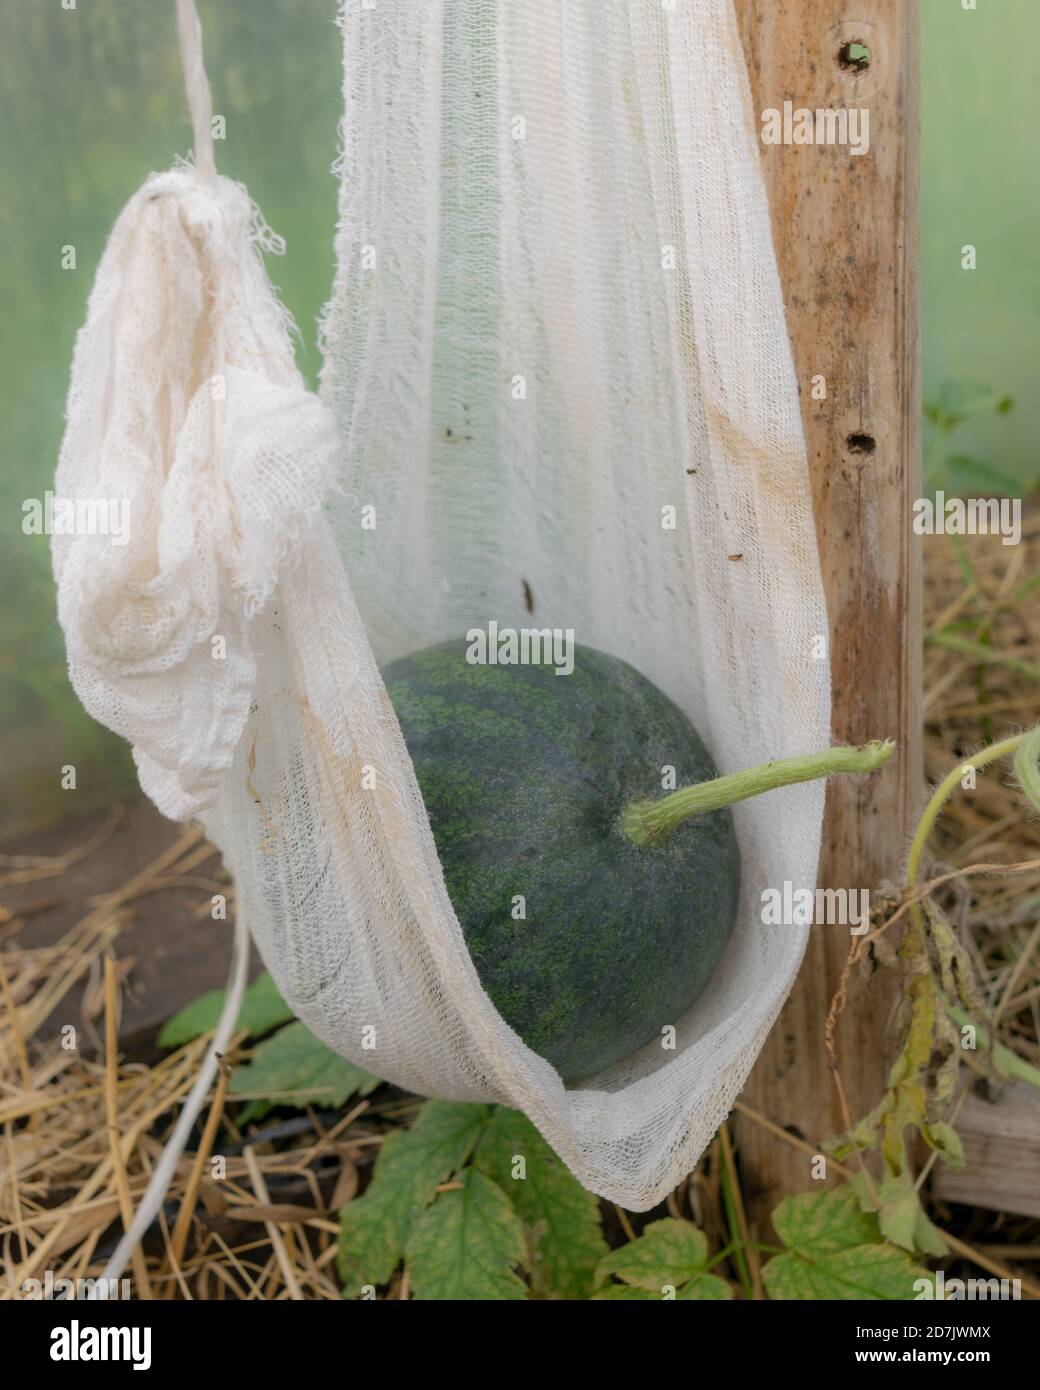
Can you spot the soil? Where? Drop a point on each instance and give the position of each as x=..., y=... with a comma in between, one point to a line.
x=168, y=953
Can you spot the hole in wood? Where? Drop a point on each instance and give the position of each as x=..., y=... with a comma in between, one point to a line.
x=860, y=444
x=854, y=56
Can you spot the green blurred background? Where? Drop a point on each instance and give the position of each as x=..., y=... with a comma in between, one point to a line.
x=93, y=101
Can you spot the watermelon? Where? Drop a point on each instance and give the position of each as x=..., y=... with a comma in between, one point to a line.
x=587, y=944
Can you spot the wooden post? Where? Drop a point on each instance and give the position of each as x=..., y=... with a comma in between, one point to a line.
x=846, y=232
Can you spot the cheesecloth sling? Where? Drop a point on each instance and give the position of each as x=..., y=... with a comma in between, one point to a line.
x=555, y=356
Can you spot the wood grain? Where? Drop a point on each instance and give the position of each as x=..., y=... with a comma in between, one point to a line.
x=846, y=233
x=1001, y=1154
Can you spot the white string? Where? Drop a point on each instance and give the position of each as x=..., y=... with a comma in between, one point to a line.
x=163, y=1175
x=200, y=101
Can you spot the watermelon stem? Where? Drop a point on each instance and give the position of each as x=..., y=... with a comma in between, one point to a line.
x=646, y=822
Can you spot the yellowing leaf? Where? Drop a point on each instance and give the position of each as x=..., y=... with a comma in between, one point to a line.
x=375, y=1228
x=562, y=1219
x=626, y=1293
x=667, y=1261
x=902, y=1217
x=824, y=1221
x=465, y=1247
x=947, y=1143
x=835, y=1252
x=868, y=1272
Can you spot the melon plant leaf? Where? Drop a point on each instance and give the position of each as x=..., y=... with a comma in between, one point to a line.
x=375, y=1228
x=902, y=1217
x=835, y=1251
x=293, y=1068
x=868, y=1272
x=917, y=1088
x=466, y=1245
x=667, y=1261
x=945, y=1140
x=701, y=1288
x=628, y=1293
x=263, y=1008
x=562, y=1219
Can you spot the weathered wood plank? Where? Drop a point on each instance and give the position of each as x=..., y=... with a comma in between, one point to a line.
x=846, y=233
x=1001, y=1154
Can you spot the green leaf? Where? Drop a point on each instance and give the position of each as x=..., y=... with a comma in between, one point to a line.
x=667, y=1260
x=293, y=1068
x=959, y=400
x=945, y=1140
x=628, y=1293
x=375, y=1228
x=970, y=477
x=823, y=1222
x=466, y=1245
x=263, y=1008
x=928, y=1239
x=898, y=1206
x=562, y=1218
x=869, y=1272
x=835, y=1252
x=704, y=1288
x=902, y=1217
